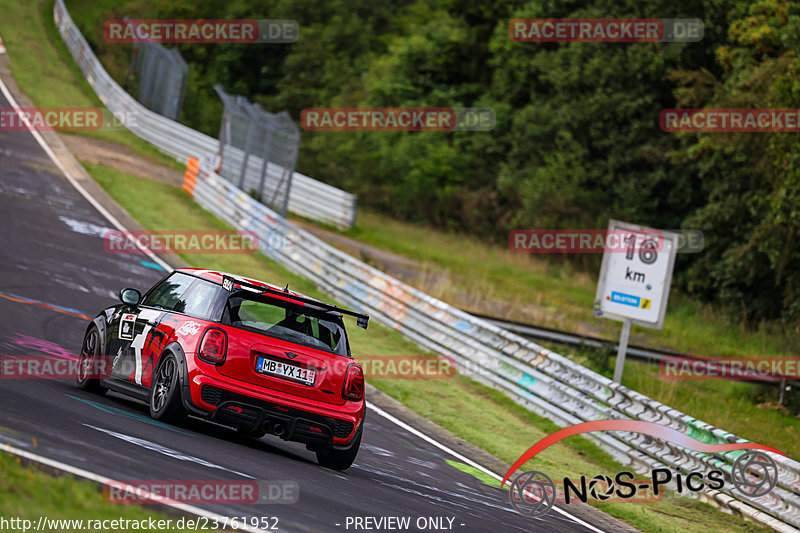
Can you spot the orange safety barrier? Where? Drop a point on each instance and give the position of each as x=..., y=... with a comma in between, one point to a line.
x=190, y=176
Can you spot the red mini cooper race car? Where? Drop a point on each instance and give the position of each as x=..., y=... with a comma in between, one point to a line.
x=237, y=351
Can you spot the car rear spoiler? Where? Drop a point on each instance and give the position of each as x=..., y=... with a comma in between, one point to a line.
x=362, y=320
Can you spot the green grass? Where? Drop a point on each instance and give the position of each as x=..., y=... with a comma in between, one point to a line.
x=47, y=74
x=29, y=494
x=480, y=415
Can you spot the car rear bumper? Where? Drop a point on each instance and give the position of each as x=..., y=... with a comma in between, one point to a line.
x=244, y=406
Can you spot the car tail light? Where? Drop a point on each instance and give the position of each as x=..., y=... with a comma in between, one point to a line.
x=213, y=346
x=353, y=383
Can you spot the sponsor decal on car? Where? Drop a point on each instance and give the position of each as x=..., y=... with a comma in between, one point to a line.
x=126, y=327
x=147, y=315
x=189, y=328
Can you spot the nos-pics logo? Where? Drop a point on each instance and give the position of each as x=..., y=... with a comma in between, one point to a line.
x=754, y=473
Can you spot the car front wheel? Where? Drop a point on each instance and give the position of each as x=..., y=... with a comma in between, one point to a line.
x=88, y=362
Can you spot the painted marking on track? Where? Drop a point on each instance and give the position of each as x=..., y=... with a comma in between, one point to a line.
x=476, y=473
x=85, y=228
x=52, y=307
x=127, y=414
x=169, y=452
x=152, y=265
x=41, y=345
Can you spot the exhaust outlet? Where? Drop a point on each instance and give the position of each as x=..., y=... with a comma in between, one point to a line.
x=279, y=429
x=266, y=427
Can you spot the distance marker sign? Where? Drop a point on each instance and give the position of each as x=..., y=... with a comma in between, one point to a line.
x=636, y=274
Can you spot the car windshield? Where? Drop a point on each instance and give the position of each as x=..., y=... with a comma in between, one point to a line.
x=300, y=324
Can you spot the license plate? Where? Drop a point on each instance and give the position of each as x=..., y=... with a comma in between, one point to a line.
x=277, y=368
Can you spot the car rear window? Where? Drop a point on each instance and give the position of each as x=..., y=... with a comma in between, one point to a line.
x=299, y=324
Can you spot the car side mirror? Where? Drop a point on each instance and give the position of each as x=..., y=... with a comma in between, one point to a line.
x=130, y=296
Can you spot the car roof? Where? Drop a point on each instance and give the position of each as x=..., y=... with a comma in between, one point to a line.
x=215, y=276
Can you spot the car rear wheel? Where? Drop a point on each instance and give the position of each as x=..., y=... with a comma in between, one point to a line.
x=88, y=362
x=340, y=459
x=165, y=394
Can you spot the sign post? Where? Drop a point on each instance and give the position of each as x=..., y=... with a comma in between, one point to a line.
x=634, y=280
x=622, y=349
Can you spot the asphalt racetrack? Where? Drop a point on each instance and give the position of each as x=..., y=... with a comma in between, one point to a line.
x=54, y=268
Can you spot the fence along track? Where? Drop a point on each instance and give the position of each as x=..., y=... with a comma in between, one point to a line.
x=308, y=198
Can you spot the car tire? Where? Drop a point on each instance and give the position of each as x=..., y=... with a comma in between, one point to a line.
x=90, y=350
x=340, y=459
x=166, y=403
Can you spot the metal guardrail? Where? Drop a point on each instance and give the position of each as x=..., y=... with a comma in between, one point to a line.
x=308, y=198
x=641, y=353
x=542, y=380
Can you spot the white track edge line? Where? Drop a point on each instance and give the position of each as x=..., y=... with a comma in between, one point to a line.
x=91, y=476
x=464, y=459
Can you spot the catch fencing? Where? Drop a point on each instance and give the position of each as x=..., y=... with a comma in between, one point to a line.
x=542, y=380
x=308, y=198
x=247, y=132
x=159, y=78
